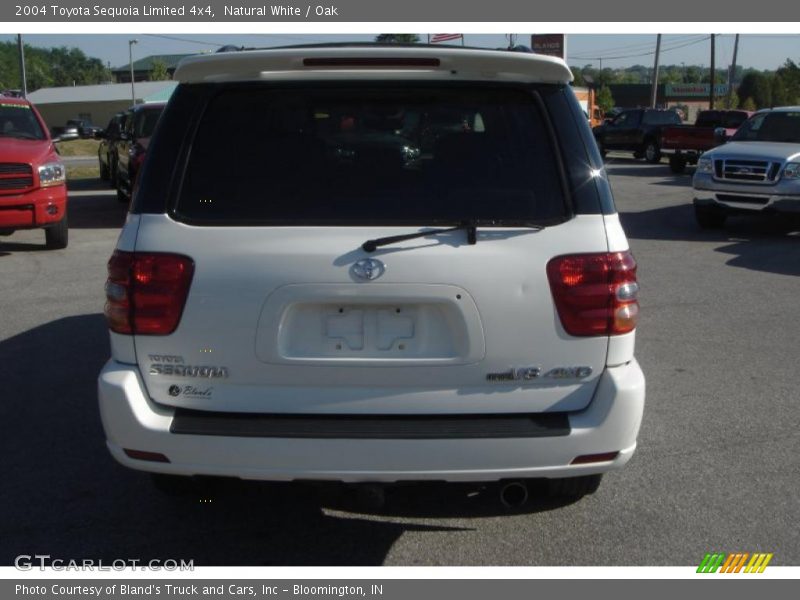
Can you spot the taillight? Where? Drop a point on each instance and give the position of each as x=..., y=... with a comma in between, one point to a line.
x=146, y=292
x=595, y=294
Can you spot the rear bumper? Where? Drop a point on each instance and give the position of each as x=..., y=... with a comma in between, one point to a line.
x=37, y=208
x=610, y=423
x=683, y=151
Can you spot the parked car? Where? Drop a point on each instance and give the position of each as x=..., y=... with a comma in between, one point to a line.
x=131, y=146
x=64, y=134
x=456, y=305
x=757, y=172
x=84, y=128
x=685, y=143
x=637, y=130
x=33, y=191
x=107, y=151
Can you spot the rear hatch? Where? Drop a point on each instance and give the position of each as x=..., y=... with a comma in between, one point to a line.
x=288, y=313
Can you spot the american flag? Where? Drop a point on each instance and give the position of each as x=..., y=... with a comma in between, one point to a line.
x=445, y=37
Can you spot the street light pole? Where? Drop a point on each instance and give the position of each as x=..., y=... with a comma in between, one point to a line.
x=23, y=75
x=654, y=87
x=713, y=73
x=130, y=58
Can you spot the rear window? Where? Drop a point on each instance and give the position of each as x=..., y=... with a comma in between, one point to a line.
x=734, y=119
x=145, y=122
x=779, y=126
x=384, y=155
x=661, y=117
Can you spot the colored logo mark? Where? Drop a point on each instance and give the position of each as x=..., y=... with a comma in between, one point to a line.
x=734, y=562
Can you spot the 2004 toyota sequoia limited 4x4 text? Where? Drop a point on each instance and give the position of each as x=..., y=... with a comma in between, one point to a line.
x=373, y=264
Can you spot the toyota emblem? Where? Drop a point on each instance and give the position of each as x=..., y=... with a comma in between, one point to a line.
x=368, y=269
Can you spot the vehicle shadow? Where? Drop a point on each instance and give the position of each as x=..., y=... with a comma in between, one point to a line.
x=6, y=248
x=88, y=183
x=91, y=205
x=94, y=205
x=657, y=174
x=63, y=494
x=759, y=243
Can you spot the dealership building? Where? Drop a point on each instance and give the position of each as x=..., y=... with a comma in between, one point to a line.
x=692, y=97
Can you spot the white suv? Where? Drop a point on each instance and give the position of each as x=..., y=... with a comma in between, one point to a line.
x=373, y=264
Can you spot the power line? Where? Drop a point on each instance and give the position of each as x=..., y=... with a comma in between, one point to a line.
x=644, y=45
x=188, y=41
x=650, y=53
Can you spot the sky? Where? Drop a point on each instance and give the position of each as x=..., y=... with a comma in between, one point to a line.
x=761, y=51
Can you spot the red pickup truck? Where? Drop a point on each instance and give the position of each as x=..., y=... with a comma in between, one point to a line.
x=33, y=190
x=685, y=143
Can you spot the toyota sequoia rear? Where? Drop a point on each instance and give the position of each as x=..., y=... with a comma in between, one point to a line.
x=372, y=264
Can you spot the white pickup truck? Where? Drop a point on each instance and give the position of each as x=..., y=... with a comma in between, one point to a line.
x=758, y=171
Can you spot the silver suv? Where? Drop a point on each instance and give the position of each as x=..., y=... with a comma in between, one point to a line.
x=373, y=264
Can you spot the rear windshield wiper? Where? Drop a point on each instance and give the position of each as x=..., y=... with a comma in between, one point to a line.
x=469, y=226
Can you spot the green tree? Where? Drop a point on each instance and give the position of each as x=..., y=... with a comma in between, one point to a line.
x=789, y=74
x=749, y=104
x=725, y=102
x=48, y=67
x=397, y=38
x=779, y=95
x=693, y=75
x=604, y=99
x=757, y=87
x=577, y=77
x=159, y=71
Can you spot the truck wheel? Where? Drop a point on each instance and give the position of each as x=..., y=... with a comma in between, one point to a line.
x=709, y=218
x=677, y=164
x=573, y=487
x=56, y=237
x=652, y=153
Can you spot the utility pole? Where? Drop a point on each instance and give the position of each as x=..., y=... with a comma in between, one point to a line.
x=713, y=78
x=732, y=72
x=130, y=58
x=654, y=90
x=22, y=73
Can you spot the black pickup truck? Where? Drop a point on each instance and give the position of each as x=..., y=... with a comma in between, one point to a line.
x=637, y=130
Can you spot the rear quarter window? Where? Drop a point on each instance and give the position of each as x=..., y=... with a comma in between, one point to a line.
x=661, y=117
x=389, y=154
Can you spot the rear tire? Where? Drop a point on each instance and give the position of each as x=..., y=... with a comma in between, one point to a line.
x=56, y=237
x=709, y=218
x=651, y=151
x=573, y=487
x=677, y=164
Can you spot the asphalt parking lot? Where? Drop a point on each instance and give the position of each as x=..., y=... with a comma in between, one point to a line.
x=716, y=469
